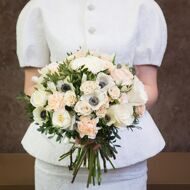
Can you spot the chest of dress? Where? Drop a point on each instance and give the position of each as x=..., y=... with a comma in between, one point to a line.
x=108, y=26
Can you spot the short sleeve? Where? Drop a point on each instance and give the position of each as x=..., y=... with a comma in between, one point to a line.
x=32, y=49
x=151, y=35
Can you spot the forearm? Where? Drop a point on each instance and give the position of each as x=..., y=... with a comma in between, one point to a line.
x=28, y=83
x=148, y=75
x=152, y=96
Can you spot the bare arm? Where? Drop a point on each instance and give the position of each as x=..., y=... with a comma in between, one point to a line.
x=148, y=75
x=28, y=84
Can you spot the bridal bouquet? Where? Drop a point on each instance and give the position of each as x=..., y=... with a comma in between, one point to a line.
x=84, y=100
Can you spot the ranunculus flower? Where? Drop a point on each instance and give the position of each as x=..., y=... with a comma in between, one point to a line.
x=61, y=118
x=55, y=101
x=70, y=98
x=89, y=87
x=92, y=63
x=38, y=98
x=137, y=95
x=122, y=76
x=120, y=115
x=87, y=126
x=114, y=92
x=83, y=108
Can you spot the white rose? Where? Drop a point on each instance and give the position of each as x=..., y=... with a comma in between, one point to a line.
x=52, y=68
x=38, y=98
x=114, y=92
x=89, y=87
x=39, y=115
x=92, y=63
x=70, y=98
x=61, y=118
x=137, y=95
x=121, y=115
x=83, y=108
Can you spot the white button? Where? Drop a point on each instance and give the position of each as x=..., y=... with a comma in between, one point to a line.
x=91, y=7
x=91, y=30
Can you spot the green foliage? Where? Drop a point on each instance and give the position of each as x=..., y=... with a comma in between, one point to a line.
x=28, y=106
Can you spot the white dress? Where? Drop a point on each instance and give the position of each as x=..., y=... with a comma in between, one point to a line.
x=133, y=29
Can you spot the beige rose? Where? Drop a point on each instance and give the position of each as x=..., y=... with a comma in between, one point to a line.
x=122, y=76
x=89, y=87
x=87, y=126
x=83, y=108
x=55, y=101
x=114, y=92
x=70, y=98
x=101, y=112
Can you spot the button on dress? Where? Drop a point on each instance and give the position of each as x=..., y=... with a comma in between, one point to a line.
x=135, y=30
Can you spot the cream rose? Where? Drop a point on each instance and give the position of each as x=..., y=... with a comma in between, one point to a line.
x=38, y=98
x=55, y=101
x=122, y=76
x=89, y=87
x=137, y=95
x=61, y=118
x=114, y=92
x=87, y=126
x=70, y=98
x=83, y=108
x=120, y=115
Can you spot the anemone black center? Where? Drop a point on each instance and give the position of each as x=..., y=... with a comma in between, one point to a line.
x=94, y=101
x=102, y=84
x=43, y=114
x=65, y=87
x=107, y=118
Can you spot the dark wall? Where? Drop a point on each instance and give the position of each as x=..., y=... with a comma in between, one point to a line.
x=171, y=112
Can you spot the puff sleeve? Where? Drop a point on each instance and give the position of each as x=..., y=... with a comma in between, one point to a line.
x=32, y=49
x=151, y=35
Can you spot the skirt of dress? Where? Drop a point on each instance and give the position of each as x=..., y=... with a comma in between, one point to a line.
x=53, y=177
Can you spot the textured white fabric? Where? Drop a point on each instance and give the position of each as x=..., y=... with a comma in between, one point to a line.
x=52, y=177
x=133, y=29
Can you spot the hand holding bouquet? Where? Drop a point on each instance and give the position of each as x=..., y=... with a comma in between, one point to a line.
x=85, y=100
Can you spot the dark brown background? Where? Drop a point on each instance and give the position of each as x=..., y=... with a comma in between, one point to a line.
x=171, y=112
